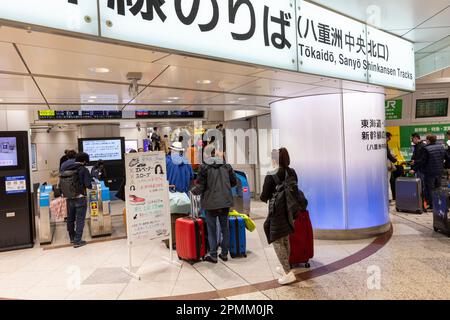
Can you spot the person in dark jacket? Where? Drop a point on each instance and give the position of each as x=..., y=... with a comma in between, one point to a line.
x=215, y=181
x=69, y=156
x=431, y=164
x=77, y=207
x=417, y=149
x=98, y=171
x=279, y=225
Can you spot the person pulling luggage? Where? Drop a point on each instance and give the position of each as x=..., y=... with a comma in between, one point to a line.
x=280, y=222
x=215, y=180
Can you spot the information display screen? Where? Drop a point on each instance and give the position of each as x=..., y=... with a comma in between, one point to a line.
x=78, y=115
x=8, y=152
x=103, y=149
x=431, y=108
x=148, y=114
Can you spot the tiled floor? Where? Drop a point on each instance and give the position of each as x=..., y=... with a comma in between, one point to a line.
x=414, y=264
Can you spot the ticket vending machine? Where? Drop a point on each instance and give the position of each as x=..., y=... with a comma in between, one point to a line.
x=16, y=217
x=241, y=194
x=99, y=204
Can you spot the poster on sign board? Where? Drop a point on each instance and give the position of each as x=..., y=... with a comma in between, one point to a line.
x=147, y=196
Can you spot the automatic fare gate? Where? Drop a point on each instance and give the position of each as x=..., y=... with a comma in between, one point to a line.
x=99, y=203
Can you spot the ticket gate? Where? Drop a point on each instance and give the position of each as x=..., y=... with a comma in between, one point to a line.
x=45, y=225
x=241, y=194
x=99, y=205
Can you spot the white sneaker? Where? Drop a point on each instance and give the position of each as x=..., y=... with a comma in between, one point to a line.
x=280, y=270
x=287, y=278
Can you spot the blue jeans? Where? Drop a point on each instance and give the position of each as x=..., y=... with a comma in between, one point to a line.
x=76, y=216
x=211, y=222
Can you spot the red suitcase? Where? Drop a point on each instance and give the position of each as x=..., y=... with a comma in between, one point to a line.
x=190, y=235
x=301, y=241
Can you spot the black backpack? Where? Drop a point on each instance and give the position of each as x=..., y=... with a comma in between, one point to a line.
x=69, y=183
x=288, y=197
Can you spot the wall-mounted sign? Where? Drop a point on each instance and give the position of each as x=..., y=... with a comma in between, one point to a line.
x=293, y=35
x=70, y=15
x=394, y=109
x=15, y=184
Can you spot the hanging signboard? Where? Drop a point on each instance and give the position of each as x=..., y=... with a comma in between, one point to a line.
x=147, y=196
x=333, y=45
x=330, y=44
x=292, y=35
x=393, y=109
x=70, y=15
x=391, y=60
x=255, y=31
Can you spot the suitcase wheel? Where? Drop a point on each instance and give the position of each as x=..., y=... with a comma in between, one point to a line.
x=244, y=255
x=307, y=265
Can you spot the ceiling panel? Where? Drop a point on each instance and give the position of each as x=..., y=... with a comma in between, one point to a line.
x=421, y=45
x=288, y=76
x=440, y=20
x=54, y=62
x=47, y=40
x=427, y=35
x=168, y=96
x=273, y=88
x=70, y=91
x=388, y=14
x=203, y=64
x=236, y=99
x=200, y=79
x=9, y=59
x=18, y=89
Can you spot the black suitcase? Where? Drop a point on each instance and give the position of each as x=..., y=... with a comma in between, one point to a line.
x=441, y=201
x=408, y=195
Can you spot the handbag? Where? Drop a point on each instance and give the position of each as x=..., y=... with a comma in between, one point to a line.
x=179, y=202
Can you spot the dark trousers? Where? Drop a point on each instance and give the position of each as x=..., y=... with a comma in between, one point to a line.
x=211, y=222
x=76, y=217
x=432, y=182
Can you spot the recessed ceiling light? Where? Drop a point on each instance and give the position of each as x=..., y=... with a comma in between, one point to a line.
x=232, y=101
x=167, y=101
x=1, y=100
x=204, y=81
x=91, y=100
x=174, y=98
x=242, y=99
x=99, y=70
x=93, y=97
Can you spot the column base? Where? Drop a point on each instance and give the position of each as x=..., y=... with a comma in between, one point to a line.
x=353, y=234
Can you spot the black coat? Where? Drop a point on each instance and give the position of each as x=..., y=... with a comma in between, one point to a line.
x=214, y=185
x=279, y=223
x=431, y=160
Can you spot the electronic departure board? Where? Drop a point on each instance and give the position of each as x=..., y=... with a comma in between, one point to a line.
x=108, y=114
x=149, y=114
x=431, y=108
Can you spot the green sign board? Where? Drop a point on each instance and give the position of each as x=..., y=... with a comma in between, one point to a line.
x=394, y=109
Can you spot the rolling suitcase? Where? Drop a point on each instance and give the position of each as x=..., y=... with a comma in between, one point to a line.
x=441, y=222
x=238, y=240
x=301, y=241
x=190, y=234
x=408, y=196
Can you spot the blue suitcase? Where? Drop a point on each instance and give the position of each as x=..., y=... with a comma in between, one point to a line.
x=441, y=217
x=238, y=240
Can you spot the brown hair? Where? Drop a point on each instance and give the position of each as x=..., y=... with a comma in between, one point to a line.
x=281, y=157
x=71, y=154
x=432, y=138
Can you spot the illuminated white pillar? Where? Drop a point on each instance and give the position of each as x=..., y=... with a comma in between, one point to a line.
x=344, y=180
